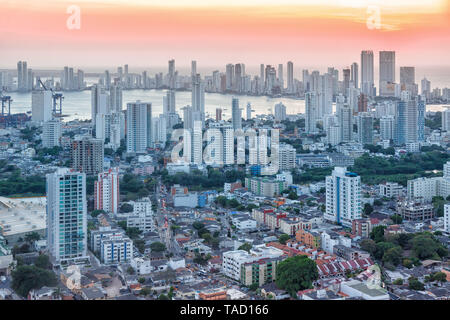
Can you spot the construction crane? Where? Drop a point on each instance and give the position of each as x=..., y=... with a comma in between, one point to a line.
x=57, y=101
x=6, y=100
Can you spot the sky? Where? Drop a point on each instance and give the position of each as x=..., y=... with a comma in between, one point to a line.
x=147, y=33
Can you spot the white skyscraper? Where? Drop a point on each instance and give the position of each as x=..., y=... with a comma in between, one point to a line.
x=387, y=71
x=346, y=124
x=115, y=98
x=280, y=112
x=343, y=197
x=446, y=120
x=236, y=114
x=197, y=143
x=249, y=111
x=51, y=133
x=106, y=191
x=311, y=112
x=198, y=97
x=447, y=218
x=139, y=122
x=367, y=72
x=365, y=128
x=41, y=105
x=387, y=128
x=66, y=215
x=290, y=77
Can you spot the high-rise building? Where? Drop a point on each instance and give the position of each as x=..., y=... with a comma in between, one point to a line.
x=408, y=80
x=236, y=114
x=198, y=97
x=354, y=75
x=343, y=197
x=66, y=216
x=447, y=218
x=446, y=120
x=425, y=88
x=367, y=73
x=139, y=127
x=401, y=121
x=22, y=76
x=172, y=74
x=311, y=112
x=106, y=191
x=87, y=155
x=230, y=76
x=365, y=128
x=115, y=98
x=387, y=70
x=362, y=103
x=290, y=77
x=100, y=101
x=286, y=158
x=249, y=111
x=345, y=116
x=51, y=133
x=41, y=105
x=280, y=112
x=387, y=128
x=346, y=82
x=421, y=111
x=218, y=114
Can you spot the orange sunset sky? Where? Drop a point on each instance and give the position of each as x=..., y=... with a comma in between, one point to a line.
x=215, y=32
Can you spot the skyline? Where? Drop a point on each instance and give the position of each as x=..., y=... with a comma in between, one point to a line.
x=214, y=34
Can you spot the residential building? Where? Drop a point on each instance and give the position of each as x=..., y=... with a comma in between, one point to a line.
x=106, y=191
x=66, y=215
x=87, y=155
x=343, y=197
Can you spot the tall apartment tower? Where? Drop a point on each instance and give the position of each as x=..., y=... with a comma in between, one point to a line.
x=343, y=197
x=387, y=70
x=290, y=77
x=87, y=155
x=115, y=98
x=41, y=105
x=66, y=215
x=311, y=112
x=198, y=97
x=367, y=73
x=51, y=133
x=139, y=127
x=354, y=75
x=345, y=117
x=365, y=128
x=106, y=191
x=236, y=114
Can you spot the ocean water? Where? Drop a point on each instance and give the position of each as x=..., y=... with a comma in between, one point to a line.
x=77, y=104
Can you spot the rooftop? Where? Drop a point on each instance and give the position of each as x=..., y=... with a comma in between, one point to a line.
x=21, y=215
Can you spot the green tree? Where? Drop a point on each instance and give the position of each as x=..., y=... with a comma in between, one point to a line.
x=158, y=246
x=393, y=256
x=296, y=273
x=283, y=238
x=397, y=219
x=43, y=262
x=415, y=284
x=377, y=233
x=246, y=246
x=26, y=278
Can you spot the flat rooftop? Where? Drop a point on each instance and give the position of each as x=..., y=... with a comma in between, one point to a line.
x=21, y=215
x=373, y=292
